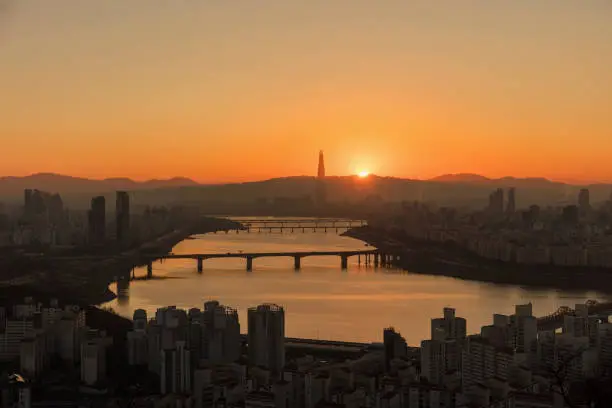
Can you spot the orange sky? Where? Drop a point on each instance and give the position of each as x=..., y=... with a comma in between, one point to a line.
x=226, y=91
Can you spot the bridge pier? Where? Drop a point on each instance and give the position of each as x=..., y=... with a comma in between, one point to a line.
x=344, y=261
x=297, y=262
x=200, y=266
x=376, y=260
x=150, y=270
x=249, y=264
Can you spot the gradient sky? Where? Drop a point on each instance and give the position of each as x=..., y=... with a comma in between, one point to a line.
x=221, y=90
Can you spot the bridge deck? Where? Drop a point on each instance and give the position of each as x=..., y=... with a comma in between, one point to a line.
x=265, y=254
x=295, y=220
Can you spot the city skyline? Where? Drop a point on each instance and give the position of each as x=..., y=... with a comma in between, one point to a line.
x=410, y=90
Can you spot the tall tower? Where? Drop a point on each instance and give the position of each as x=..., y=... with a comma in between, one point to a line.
x=97, y=220
x=511, y=207
x=321, y=172
x=122, y=215
x=266, y=337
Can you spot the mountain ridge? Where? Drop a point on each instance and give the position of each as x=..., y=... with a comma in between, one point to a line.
x=446, y=190
x=54, y=182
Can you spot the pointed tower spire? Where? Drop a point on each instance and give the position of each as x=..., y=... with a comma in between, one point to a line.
x=321, y=172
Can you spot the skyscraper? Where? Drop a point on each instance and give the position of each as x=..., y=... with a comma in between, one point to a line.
x=511, y=207
x=321, y=170
x=266, y=337
x=395, y=346
x=496, y=202
x=221, y=339
x=122, y=215
x=97, y=220
x=584, y=201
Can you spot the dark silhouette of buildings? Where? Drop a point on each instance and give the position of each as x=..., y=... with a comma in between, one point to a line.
x=395, y=346
x=122, y=215
x=266, y=337
x=584, y=201
x=321, y=169
x=511, y=206
x=571, y=215
x=97, y=220
x=496, y=202
x=42, y=207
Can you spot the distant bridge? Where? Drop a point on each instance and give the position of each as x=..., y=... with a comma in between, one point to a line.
x=554, y=320
x=295, y=225
x=370, y=256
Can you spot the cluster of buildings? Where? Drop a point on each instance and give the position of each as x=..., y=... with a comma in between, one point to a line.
x=39, y=336
x=200, y=359
x=97, y=234
x=573, y=235
x=203, y=361
x=514, y=362
x=44, y=221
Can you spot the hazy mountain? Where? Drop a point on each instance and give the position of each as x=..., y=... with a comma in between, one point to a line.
x=449, y=190
x=461, y=178
x=14, y=186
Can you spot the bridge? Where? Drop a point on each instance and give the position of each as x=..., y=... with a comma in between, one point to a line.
x=294, y=225
x=554, y=320
x=370, y=256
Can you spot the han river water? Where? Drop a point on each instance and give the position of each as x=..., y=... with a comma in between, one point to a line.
x=321, y=300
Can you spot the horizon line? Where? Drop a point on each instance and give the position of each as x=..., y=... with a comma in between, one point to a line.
x=568, y=181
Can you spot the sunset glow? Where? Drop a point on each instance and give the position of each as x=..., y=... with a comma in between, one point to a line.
x=414, y=89
x=363, y=174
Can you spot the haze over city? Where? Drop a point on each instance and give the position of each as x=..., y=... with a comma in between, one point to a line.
x=305, y=204
x=235, y=91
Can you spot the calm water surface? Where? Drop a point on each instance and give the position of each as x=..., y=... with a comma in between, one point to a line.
x=321, y=300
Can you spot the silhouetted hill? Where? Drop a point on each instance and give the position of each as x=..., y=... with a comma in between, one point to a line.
x=460, y=178
x=467, y=190
x=14, y=186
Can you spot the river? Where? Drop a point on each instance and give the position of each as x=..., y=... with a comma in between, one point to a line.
x=321, y=300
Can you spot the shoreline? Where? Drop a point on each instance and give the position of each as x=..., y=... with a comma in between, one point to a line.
x=87, y=282
x=451, y=261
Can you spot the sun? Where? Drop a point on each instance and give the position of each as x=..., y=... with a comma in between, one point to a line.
x=363, y=173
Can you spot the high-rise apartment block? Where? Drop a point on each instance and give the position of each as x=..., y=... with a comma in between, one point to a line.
x=496, y=202
x=584, y=201
x=122, y=216
x=176, y=370
x=220, y=333
x=395, y=346
x=266, y=337
x=511, y=206
x=97, y=220
x=448, y=327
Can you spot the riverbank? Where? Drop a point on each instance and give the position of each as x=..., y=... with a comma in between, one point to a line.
x=450, y=260
x=86, y=281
